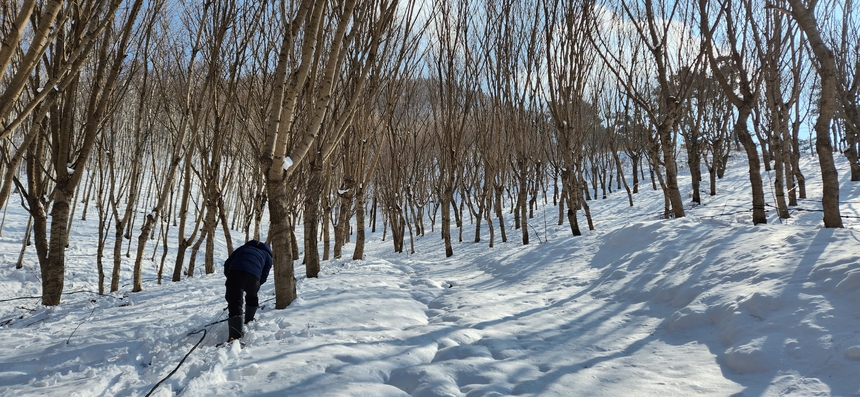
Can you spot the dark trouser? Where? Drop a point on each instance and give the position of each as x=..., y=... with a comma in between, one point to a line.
x=237, y=283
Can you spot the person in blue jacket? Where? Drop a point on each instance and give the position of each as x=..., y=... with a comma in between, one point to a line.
x=246, y=269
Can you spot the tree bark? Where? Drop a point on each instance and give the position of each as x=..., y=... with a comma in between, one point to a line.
x=826, y=108
x=311, y=218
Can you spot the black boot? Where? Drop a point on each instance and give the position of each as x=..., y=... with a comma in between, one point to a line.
x=249, y=313
x=235, y=326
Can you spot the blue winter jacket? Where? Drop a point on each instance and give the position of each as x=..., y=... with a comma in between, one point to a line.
x=254, y=257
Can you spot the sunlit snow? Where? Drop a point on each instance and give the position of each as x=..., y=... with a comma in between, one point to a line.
x=705, y=305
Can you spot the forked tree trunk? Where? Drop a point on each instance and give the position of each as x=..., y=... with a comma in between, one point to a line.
x=779, y=178
x=826, y=108
x=483, y=203
x=795, y=161
x=673, y=193
x=52, y=260
x=184, y=242
x=341, y=231
x=490, y=223
x=214, y=211
x=621, y=177
x=743, y=103
x=759, y=211
x=192, y=261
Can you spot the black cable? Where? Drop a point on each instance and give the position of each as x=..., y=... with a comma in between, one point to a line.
x=39, y=297
x=807, y=210
x=725, y=214
x=183, y=360
x=215, y=322
x=205, y=331
x=812, y=210
x=20, y=298
x=82, y=323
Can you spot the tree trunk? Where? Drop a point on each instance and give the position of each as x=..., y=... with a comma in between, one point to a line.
x=313, y=190
x=634, y=161
x=24, y=243
x=192, y=261
x=852, y=135
x=484, y=203
x=499, y=213
x=672, y=190
x=572, y=197
x=117, y=256
x=210, y=221
x=184, y=242
x=779, y=178
x=54, y=266
x=789, y=167
x=712, y=172
x=280, y=238
x=759, y=210
x=52, y=278
x=341, y=231
x=826, y=108
x=445, y=202
x=358, y=253
x=694, y=161
x=621, y=177
x=490, y=223
x=326, y=227
x=522, y=202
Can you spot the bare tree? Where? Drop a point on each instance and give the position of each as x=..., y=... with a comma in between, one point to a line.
x=225, y=53
x=740, y=76
x=661, y=30
x=804, y=14
x=781, y=68
x=179, y=130
x=846, y=51
x=41, y=38
x=615, y=112
x=358, y=149
x=513, y=49
x=402, y=181
x=612, y=107
x=70, y=144
x=570, y=61
x=454, y=63
x=388, y=83
x=285, y=145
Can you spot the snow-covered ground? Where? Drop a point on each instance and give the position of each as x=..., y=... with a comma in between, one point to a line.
x=704, y=305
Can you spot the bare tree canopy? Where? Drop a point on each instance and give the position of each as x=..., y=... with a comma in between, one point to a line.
x=187, y=122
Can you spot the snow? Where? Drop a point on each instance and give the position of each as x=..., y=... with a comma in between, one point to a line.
x=288, y=162
x=704, y=305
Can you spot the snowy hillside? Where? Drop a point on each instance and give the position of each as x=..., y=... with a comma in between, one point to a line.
x=705, y=305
